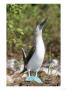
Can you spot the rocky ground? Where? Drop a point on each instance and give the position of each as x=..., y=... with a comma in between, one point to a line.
x=16, y=79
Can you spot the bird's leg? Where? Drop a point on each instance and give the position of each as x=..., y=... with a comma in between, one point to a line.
x=33, y=78
x=37, y=79
x=36, y=73
x=29, y=78
x=29, y=73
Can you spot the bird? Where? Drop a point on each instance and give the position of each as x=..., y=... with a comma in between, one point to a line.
x=33, y=61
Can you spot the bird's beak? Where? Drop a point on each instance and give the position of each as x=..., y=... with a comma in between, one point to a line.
x=43, y=23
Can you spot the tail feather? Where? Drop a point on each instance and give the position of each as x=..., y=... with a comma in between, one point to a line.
x=24, y=54
x=24, y=70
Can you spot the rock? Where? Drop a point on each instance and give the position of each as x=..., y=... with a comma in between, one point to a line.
x=24, y=75
x=48, y=80
x=9, y=80
x=10, y=63
x=15, y=65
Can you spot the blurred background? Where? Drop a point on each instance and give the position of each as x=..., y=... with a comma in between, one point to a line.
x=21, y=23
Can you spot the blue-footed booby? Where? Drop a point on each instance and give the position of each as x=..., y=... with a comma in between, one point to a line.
x=34, y=60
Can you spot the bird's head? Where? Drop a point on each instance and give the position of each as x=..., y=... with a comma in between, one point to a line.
x=40, y=27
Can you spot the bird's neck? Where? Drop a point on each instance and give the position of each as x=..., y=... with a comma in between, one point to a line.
x=39, y=37
x=40, y=48
x=39, y=40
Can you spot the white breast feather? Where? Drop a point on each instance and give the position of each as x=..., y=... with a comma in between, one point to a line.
x=38, y=56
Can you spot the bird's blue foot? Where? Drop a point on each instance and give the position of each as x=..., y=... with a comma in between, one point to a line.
x=30, y=78
x=34, y=78
x=37, y=79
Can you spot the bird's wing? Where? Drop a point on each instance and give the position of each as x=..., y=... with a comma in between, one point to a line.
x=29, y=55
